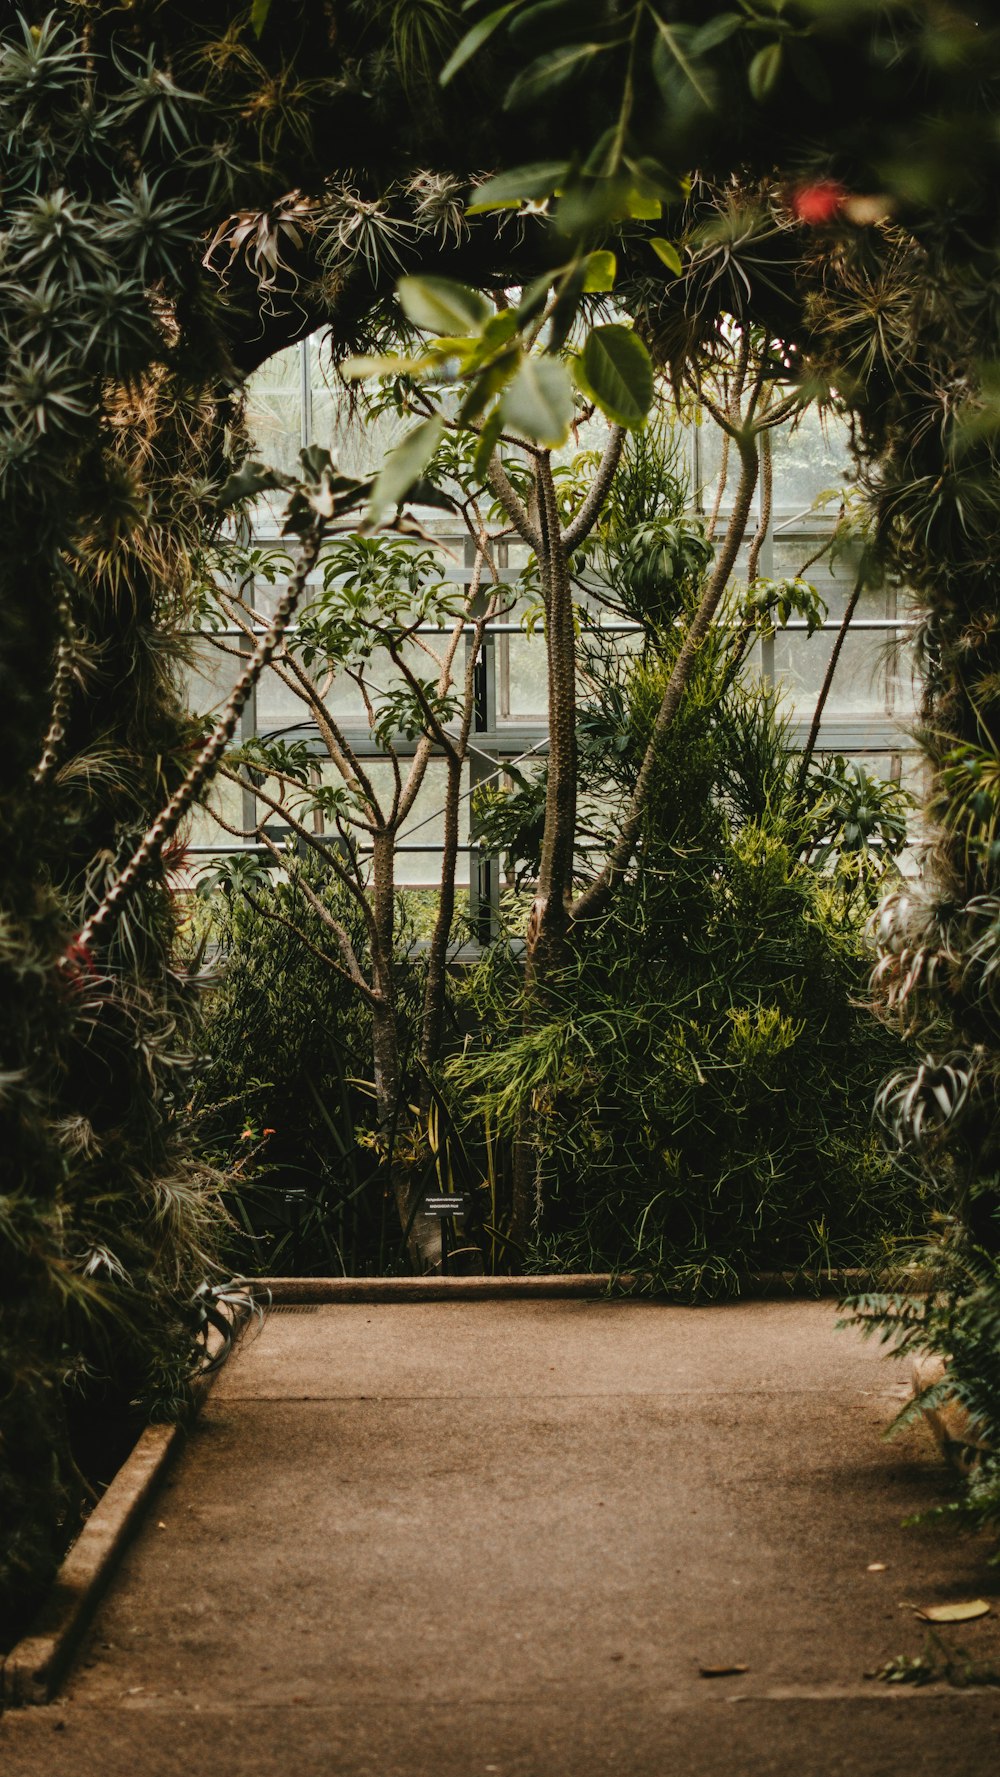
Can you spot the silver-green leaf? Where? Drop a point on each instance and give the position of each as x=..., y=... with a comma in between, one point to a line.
x=507, y=191
x=439, y=305
x=473, y=40
x=404, y=466
x=539, y=402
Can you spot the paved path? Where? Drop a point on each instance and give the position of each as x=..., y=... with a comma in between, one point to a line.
x=449, y=1539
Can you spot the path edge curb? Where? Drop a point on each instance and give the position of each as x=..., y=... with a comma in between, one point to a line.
x=35, y=1666
x=321, y=1291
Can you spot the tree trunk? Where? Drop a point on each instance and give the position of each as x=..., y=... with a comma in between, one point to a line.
x=422, y=1235
x=549, y=920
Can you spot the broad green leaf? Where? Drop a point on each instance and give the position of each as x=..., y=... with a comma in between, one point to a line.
x=666, y=251
x=617, y=372
x=600, y=271
x=525, y=184
x=500, y=328
x=439, y=305
x=605, y=157
x=533, y=299
x=403, y=466
x=593, y=203
x=488, y=383
x=673, y=70
x=547, y=74
x=381, y=364
x=566, y=309
x=249, y=480
x=473, y=40
x=425, y=493
x=764, y=71
x=708, y=36
x=539, y=402
x=489, y=438
x=643, y=207
x=259, y=13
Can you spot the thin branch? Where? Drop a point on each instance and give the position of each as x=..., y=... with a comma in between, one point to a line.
x=312, y=840
x=825, y=688
x=766, y=495
x=352, y=968
x=322, y=956
x=585, y=520
x=334, y=739
x=146, y=856
x=422, y=755
x=720, y=487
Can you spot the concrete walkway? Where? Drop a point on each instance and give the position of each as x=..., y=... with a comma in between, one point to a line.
x=454, y=1538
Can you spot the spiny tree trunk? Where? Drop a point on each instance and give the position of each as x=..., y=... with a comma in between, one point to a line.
x=549, y=920
x=145, y=859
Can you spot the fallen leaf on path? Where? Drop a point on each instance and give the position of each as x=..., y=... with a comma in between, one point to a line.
x=721, y=1671
x=876, y=1567
x=954, y=1613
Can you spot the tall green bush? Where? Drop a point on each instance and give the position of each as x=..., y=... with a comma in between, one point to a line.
x=283, y=1101
x=702, y=1084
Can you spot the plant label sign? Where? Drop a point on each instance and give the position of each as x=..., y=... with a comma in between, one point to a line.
x=452, y=1203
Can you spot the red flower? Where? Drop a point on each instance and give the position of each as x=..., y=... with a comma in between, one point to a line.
x=819, y=202
x=79, y=957
x=78, y=969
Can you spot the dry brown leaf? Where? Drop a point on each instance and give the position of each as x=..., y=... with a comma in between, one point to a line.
x=954, y=1613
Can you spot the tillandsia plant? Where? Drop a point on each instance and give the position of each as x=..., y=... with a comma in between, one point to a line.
x=108, y=441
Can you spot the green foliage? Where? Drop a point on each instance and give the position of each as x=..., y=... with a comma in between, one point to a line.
x=514, y=376
x=129, y=147
x=959, y=1314
x=616, y=371
x=701, y=1082
x=281, y=1104
x=107, y=449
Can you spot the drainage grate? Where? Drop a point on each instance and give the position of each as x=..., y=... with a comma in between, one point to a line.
x=293, y=1308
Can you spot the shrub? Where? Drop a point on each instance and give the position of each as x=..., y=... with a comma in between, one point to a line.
x=283, y=1102
x=701, y=1084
